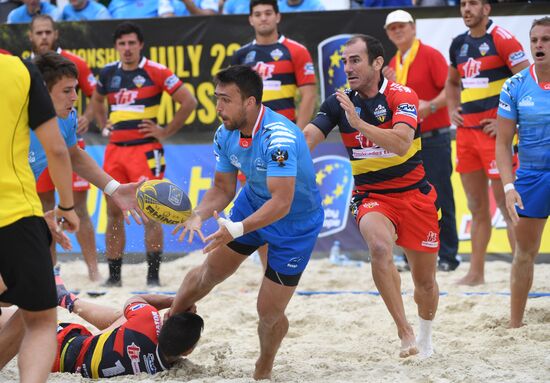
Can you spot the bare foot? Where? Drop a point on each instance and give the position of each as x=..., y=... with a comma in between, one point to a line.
x=94, y=276
x=262, y=371
x=516, y=325
x=471, y=280
x=408, y=345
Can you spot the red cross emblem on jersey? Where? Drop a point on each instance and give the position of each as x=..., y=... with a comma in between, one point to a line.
x=125, y=96
x=472, y=68
x=264, y=70
x=364, y=142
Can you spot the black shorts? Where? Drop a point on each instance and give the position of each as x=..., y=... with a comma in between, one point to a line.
x=26, y=265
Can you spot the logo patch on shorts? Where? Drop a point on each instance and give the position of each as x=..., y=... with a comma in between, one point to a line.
x=370, y=205
x=431, y=240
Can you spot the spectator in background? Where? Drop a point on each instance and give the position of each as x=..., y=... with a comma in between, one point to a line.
x=424, y=70
x=133, y=9
x=482, y=59
x=78, y=10
x=233, y=7
x=300, y=6
x=25, y=13
x=387, y=3
x=193, y=7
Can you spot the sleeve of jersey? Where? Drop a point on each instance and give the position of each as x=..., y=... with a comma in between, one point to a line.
x=509, y=48
x=102, y=82
x=303, y=66
x=452, y=51
x=40, y=104
x=405, y=108
x=223, y=165
x=70, y=130
x=328, y=115
x=86, y=79
x=506, y=104
x=170, y=82
x=281, y=153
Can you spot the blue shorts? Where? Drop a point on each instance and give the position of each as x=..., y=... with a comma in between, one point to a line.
x=291, y=240
x=534, y=188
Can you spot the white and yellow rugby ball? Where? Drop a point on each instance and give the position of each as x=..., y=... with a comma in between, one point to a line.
x=163, y=202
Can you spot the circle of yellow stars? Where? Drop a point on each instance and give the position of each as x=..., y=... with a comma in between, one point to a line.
x=339, y=190
x=335, y=62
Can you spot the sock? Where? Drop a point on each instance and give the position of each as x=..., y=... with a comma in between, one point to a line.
x=65, y=298
x=424, y=339
x=114, y=269
x=153, y=262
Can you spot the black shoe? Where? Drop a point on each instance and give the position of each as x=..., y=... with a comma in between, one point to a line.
x=446, y=266
x=112, y=283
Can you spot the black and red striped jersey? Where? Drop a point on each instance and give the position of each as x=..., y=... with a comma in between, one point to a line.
x=134, y=96
x=129, y=349
x=283, y=66
x=484, y=64
x=374, y=168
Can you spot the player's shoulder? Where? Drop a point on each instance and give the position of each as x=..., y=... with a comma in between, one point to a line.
x=244, y=49
x=292, y=44
x=149, y=64
x=459, y=40
x=110, y=67
x=514, y=82
x=499, y=34
x=76, y=59
x=399, y=89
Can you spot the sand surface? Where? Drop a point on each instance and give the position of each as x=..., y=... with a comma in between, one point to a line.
x=346, y=337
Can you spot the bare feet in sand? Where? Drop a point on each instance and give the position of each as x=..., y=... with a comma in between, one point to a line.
x=471, y=280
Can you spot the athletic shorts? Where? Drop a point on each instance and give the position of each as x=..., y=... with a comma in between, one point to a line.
x=290, y=241
x=475, y=150
x=45, y=184
x=70, y=337
x=534, y=188
x=135, y=163
x=415, y=215
x=26, y=264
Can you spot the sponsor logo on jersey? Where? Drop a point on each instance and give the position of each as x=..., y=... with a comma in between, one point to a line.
x=463, y=50
x=505, y=106
x=399, y=88
x=250, y=57
x=408, y=110
x=431, y=240
x=276, y=54
x=116, y=370
x=264, y=70
x=139, y=81
x=125, y=96
x=234, y=161
x=116, y=81
x=516, y=58
x=280, y=156
x=171, y=81
x=472, y=68
x=260, y=164
x=526, y=101
x=149, y=361
x=309, y=69
x=380, y=113
x=133, y=353
x=484, y=48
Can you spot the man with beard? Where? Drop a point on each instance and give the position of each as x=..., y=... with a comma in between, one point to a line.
x=482, y=59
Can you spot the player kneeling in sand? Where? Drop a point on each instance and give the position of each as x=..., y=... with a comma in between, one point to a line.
x=128, y=342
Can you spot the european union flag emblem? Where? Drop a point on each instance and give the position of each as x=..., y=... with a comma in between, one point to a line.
x=335, y=182
x=331, y=68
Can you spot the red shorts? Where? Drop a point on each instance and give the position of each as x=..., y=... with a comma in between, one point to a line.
x=135, y=163
x=66, y=331
x=45, y=184
x=475, y=150
x=414, y=214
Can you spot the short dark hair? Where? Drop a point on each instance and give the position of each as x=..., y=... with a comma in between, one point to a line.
x=273, y=3
x=374, y=46
x=180, y=333
x=126, y=28
x=42, y=17
x=54, y=67
x=544, y=21
x=249, y=82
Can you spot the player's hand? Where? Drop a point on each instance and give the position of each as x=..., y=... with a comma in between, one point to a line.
x=66, y=220
x=83, y=125
x=424, y=109
x=389, y=73
x=149, y=129
x=58, y=235
x=513, y=199
x=107, y=129
x=125, y=198
x=221, y=237
x=489, y=126
x=192, y=225
x=456, y=117
x=346, y=104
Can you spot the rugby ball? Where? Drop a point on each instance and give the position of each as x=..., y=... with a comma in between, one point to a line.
x=163, y=202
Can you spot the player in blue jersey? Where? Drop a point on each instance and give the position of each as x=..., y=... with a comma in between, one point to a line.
x=77, y=10
x=30, y=8
x=280, y=205
x=525, y=103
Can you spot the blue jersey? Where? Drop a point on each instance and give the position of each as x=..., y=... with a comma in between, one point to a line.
x=92, y=11
x=37, y=155
x=233, y=7
x=277, y=149
x=304, y=6
x=133, y=9
x=181, y=10
x=21, y=14
x=526, y=101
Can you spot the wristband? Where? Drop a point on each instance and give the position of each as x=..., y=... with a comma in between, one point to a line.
x=433, y=107
x=111, y=187
x=236, y=229
x=508, y=187
x=65, y=208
